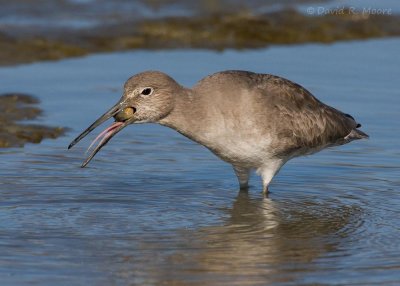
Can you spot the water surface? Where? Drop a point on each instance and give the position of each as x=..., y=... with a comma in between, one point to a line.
x=154, y=208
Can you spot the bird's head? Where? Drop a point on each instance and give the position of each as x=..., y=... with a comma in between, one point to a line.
x=148, y=97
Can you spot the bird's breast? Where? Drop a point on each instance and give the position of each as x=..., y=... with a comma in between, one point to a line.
x=244, y=146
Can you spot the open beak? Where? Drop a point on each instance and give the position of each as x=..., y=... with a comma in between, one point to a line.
x=121, y=121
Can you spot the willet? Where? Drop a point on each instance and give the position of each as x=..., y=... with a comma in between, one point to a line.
x=252, y=121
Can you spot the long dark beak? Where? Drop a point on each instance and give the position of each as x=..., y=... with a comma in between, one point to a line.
x=110, y=113
x=107, y=134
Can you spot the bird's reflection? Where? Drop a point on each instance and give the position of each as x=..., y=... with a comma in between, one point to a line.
x=261, y=240
x=249, y=215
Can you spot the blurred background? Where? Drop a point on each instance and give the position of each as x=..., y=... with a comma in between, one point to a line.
x=154, y=208
x=46, y=29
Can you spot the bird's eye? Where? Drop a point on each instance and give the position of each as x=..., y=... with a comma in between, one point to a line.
x=147, y=91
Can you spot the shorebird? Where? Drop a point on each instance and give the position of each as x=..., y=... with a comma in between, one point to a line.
x=252, y=121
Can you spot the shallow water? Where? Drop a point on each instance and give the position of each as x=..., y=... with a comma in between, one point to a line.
x=154, y=208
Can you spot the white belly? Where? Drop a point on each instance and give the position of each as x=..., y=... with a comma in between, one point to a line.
x=250, y=151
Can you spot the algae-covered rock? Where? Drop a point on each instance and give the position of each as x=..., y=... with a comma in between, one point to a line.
x=234, y=30
x=15, y=107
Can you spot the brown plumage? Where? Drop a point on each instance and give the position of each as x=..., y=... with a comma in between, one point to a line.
x=250, y=120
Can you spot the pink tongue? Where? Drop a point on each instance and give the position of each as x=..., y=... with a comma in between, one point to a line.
x=105, y=133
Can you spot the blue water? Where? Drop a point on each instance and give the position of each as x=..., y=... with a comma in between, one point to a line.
x=155, y=208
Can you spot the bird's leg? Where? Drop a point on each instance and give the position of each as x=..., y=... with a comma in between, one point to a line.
x=266, y=180
x=267, y=172
x=243, y=177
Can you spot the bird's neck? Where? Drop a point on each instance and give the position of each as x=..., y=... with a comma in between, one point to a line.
x=188, y=115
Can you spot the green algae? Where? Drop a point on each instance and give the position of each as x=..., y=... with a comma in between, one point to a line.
x=15, y=107
x=14, y=51
x=246, y=30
